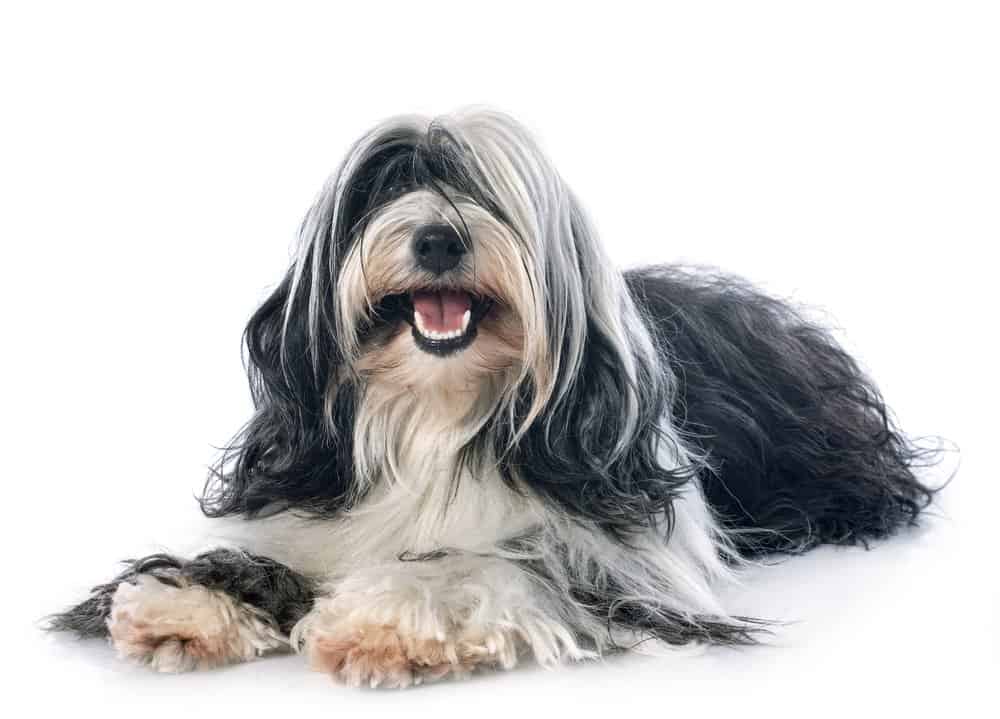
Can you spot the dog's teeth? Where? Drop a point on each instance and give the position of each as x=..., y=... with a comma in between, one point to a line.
x=424, y=330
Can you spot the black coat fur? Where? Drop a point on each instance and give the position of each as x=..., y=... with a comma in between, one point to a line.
x=802, y=448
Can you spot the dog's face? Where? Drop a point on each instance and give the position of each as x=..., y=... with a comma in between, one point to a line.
x=441, y=290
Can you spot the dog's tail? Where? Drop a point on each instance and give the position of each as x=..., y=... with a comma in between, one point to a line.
x=800, y=446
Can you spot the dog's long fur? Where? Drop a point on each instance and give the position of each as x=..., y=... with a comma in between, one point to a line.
x=603, y=451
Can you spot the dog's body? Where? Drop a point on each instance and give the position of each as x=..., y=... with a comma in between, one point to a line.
x=476, y=440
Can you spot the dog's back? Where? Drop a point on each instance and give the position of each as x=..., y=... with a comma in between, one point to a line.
x=802, y=447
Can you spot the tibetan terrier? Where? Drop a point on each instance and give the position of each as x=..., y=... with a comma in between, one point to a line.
x=476, y=441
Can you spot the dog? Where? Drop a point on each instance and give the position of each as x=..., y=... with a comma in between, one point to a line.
x=475, y=441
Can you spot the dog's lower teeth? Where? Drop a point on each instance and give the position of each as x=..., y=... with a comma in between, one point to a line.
x=433, y=335
x=437, y=336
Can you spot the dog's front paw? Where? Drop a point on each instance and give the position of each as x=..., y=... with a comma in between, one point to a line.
x=363, y=652
x=185, y=627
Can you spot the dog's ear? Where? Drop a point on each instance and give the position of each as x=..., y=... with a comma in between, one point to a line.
x=297, y=449
x=600, y=451
x=290, y=453
x=600, y=448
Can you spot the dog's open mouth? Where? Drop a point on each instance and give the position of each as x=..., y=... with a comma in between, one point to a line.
x=444, y=320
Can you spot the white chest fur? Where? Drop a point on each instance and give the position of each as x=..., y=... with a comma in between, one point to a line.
x=415, y=498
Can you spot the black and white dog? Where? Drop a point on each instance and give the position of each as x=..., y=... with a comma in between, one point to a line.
x=476, y=441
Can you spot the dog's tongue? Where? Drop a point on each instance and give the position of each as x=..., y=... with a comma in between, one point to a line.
x=442, y=311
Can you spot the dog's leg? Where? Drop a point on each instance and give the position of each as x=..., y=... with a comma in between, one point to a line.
x=221, y=607
x=403, y=623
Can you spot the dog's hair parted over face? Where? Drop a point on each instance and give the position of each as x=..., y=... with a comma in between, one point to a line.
x=475, y=439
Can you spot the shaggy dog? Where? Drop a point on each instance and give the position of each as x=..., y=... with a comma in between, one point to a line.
x=475, y=440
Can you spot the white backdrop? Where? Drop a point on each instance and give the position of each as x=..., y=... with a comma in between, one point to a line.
x=155, y=163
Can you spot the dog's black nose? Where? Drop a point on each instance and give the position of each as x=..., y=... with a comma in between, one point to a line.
x=438, y=248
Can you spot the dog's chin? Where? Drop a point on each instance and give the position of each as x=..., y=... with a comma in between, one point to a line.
x=442, y=321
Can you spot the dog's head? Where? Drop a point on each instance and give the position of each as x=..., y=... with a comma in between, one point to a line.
x=447, y=258
x=445, y=251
